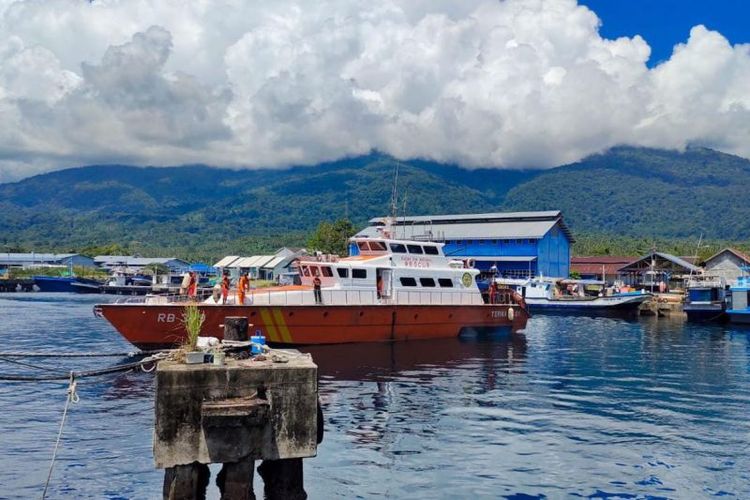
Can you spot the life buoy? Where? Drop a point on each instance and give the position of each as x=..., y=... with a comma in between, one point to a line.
x=470, y=263
x=511, y=314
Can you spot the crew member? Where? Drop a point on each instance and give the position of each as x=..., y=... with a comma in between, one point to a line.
x=225, y=287
x=192, y=285
x=185, y=284
x=316, y=290
x=242, y=286
x=493, y=292
x=379, y=286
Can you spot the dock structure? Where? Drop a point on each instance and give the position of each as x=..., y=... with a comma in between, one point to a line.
x=259, y=408
x=16, y=285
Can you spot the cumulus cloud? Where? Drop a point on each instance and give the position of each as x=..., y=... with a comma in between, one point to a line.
x=509, y=83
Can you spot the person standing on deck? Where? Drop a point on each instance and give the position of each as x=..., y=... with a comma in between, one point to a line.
x=379, y=286
x=242, y=286
x=185, y=284
x=316, y=290
x=192, y=285
x=493, y=292
x=224, y=287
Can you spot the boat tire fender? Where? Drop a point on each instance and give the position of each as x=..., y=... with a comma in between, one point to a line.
x=511, y=313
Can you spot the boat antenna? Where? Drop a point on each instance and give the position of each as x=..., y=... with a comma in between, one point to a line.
x=695, y=257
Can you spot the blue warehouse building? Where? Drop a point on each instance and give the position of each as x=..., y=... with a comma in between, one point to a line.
x=519, y=244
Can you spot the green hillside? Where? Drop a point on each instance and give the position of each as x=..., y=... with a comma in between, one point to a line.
x=621, y=200
x=646, y=192
x=202, y=212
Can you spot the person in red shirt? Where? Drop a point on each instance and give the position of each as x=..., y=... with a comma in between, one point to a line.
x=316, y=290
x=225, y=287
x=192, y=285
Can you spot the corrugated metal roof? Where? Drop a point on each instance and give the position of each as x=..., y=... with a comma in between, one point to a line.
x=274, y=262
x=135, y=261
x=549, y=214
x=227, y=261
x=36, y=257
x=475, y=231
x=666, y=256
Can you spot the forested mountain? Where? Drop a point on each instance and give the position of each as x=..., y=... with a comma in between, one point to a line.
x=204, y=212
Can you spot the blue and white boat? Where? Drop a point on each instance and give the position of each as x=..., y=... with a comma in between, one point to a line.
x=706, y=299
x=739, y=308
x=571, y=296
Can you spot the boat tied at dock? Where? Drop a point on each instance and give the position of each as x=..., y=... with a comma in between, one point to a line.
x=387, y=290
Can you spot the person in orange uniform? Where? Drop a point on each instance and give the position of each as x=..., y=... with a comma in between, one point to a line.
x=225, y=287
x=243, y=285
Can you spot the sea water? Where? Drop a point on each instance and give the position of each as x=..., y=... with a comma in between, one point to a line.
x=572, y=407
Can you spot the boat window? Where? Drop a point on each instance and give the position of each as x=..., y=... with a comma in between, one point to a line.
x=306, y=271
x=363, y=246
x=427, y=282
x=445, y=282
x=408, y=282
x=359, y=273
x=430, y=250
x=414, y=249
x=377, y=246
x=315, y=270
x=343, y=272
x=327, y=272
x=398, y=248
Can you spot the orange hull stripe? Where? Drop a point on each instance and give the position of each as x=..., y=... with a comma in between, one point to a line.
x=281, y=324
x=268, y=322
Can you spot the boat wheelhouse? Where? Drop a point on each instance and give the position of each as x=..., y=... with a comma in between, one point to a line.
x=739, y=308
x=706, y=299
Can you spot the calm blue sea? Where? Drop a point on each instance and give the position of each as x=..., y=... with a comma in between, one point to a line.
x=573, y=407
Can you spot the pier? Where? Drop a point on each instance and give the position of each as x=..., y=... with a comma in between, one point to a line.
x=16, y=285
x=259, y=408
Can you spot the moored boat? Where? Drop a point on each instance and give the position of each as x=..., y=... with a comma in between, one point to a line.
x=739, y=303
x=706, y=299
x=66, y=284
x=572, y=296
x=388, y=290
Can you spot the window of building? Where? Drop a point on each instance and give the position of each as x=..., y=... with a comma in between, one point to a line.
x=414, y=249
x=445, y=282
x=359, y=273
x=327, y=272
x=427, y=282
x=398, y=248
x=343, y=272
x=430, y=250
x=408, y=282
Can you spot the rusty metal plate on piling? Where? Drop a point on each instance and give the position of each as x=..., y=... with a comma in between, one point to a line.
x=245, y=409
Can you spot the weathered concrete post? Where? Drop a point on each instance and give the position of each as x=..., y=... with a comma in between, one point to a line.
x=247, y=410
x=236, y=328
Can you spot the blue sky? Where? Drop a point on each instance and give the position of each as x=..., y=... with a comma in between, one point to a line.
x=664, y=23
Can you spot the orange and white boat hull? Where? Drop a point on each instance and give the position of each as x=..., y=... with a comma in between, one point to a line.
x=150, y=326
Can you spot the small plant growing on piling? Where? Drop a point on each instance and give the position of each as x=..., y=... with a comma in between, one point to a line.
x=192, y=319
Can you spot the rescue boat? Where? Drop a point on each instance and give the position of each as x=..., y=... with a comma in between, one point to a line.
x=387, y=290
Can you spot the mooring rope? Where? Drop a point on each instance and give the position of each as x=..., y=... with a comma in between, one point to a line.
x=129, y=354
x=85, y=373
x=72, y=397
x=36, y=367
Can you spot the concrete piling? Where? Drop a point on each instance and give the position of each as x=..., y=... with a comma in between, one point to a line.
x=246, y=410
